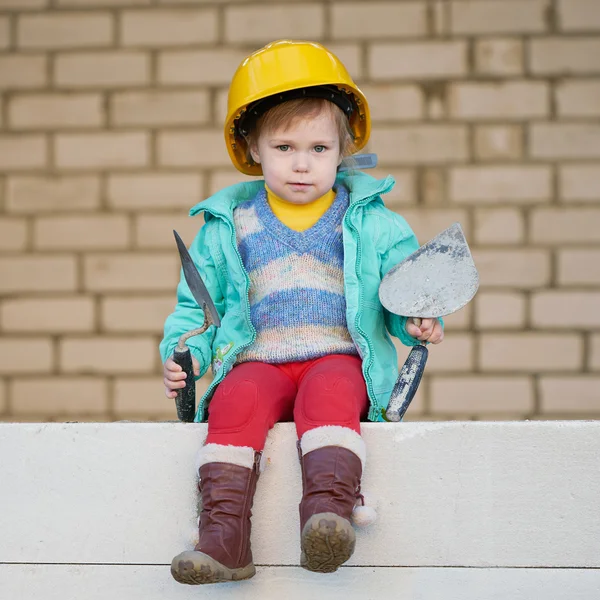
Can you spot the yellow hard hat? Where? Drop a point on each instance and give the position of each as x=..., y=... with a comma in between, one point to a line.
x=284, y=70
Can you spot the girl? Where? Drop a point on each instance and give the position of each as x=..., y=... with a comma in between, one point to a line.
x=293, y=264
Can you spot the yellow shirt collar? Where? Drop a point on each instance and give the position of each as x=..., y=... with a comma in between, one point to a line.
x=299, y=217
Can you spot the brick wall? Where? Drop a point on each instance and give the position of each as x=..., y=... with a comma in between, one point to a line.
x=486, y=112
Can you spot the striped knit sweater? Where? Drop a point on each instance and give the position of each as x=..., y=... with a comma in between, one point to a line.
x=297, y=303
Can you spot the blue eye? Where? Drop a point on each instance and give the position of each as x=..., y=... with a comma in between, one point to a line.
x=320, y=149
x=283, y=147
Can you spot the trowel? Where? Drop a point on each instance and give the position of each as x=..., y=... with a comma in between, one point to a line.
x=434, y=281
x=185, y=401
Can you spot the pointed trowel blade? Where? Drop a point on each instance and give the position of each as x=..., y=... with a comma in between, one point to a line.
x=436, y=280
x=194, y=281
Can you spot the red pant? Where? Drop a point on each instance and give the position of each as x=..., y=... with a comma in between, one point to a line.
x=254, y=396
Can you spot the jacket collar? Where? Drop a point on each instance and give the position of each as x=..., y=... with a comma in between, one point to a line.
x=360, y=185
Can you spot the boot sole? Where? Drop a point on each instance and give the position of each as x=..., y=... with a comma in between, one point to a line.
x=197, y=568
x=327, y=541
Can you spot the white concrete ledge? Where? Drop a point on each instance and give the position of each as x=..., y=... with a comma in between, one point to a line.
x=495, y=499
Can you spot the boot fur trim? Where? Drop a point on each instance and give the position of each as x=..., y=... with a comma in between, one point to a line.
x=242, y=456
x=334, y=435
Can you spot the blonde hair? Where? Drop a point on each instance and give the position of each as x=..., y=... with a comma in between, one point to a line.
x=283, y=116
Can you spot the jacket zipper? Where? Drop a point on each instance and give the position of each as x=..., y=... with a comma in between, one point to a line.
x=228, y=361
x=374, y=410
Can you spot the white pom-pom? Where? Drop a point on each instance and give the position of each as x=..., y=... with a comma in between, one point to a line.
x=362, y=516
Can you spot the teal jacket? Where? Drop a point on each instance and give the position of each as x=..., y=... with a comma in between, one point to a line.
x=375, y=239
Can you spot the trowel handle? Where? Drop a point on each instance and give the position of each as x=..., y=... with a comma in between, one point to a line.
x=407, y=384
x=186, y=397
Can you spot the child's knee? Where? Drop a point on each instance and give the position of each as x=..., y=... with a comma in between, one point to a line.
x=330, y=399
x=234, y=405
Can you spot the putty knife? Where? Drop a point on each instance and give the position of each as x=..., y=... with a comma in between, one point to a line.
x=436, y=280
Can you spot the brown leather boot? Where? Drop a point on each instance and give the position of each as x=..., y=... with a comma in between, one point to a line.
x=331, y=484
x=223, y=551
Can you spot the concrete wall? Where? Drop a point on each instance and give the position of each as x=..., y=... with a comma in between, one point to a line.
x=487, y=112
x=469, y=511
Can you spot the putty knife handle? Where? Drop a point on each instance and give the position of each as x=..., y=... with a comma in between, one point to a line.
x=407, y=384
x=186, y=397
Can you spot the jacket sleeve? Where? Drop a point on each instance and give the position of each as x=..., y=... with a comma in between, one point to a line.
x=401, y=242
x=187, y=314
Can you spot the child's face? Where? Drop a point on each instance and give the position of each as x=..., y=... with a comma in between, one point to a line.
x=299, y=163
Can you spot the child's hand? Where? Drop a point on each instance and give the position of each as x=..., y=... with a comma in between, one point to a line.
x=174, y=376
x=429, y=330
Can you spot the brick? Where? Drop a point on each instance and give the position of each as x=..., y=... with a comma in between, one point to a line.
x=4, y=33
x=498, y=16
x=36, y=274
x=594, y=353
x=499, y=56
x=160, y=108
x=156, y=231
x=579, y=267
x=142, y=314
x=131, y=272
x=13, y=234
x=102, y=70
x=578, y=98
x=565, y=226
x=51, y=397
x=518, y=184
x=565, y=310
x=579, y=15
x=404, y=192
x=394, y=102
x=104, y=150
x=568, y=395
x=579, y=182
x=434, y=187
x=23, y=4
x=527, y=352
x=438, y=60
x=351, y=57
x=562, y=140
x=107, y=355
x=23, y=152
x=175, y=27
x=378, y=20
x=506, y=101
x=500, y=310
x=90, y=232
x=414, y=144
x=564, y=56
x=456, y=353
x=48, y=315
x=482, y=395
x=498, y=142
x=459, y=320
x=23, y=71
x=169, y=191
x=86, y=3
x=65, y=30
x=30, y=355
x=521, y=269
x=261, y=24
x=144, y=397
x=428, y=223
x=32, y=195
x=220, y=178
x=202, y=67
x=499, y=226
x=52, y=111
x=192, y=149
